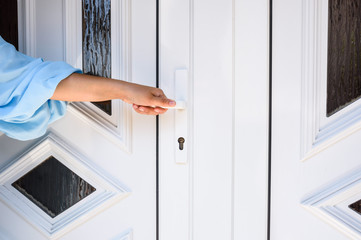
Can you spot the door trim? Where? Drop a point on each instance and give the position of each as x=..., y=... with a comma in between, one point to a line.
x=117, y=128
x=252, y=118
x=319, y=131
x=108, y=190
x=270, y=122
x=175, y=52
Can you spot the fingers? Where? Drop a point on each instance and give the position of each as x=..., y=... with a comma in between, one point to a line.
x=148, y=100
x=148, y=110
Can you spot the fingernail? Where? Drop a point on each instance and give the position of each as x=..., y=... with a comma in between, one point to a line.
x=135, y=106
x=157, y=110
x=172, y=103
x=141, y=109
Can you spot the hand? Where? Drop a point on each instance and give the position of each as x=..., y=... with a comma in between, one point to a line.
x=147, y=100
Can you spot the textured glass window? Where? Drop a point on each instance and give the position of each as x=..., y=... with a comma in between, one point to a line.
x=356, y=206
x=53, y=187
x=344, y=54
x=9, y=21
x=96, y=42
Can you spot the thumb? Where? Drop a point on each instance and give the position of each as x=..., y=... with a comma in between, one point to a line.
x=163, y=101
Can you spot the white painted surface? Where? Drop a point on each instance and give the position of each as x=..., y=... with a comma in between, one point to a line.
x=251, y=87
x=221, y=190
x=312, y=172
x=213, y=133
x=174, y=179
x=132, y=217
x=221, y=193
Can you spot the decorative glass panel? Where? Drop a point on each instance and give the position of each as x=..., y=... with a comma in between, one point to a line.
x=344, y=54
x=96, y=42
x=9, y=21
x=53, y=187
x=356, y=206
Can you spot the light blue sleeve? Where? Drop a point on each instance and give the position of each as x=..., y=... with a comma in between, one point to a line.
x=26, y=86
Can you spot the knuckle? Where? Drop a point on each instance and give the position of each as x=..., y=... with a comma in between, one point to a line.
x=159, y=92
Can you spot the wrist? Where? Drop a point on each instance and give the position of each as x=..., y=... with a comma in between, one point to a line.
x=123, y=91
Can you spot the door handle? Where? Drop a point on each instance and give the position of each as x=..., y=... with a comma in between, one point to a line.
x=181, y=116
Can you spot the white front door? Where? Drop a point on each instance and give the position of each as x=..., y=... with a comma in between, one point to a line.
x=316, y=174
x=97, y=178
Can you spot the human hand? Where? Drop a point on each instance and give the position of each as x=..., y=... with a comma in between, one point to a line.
x=147, y=100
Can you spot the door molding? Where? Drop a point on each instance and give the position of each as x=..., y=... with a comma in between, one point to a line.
x=108, y=189
x=117, y=128
x=331, y=203
x=318, y=132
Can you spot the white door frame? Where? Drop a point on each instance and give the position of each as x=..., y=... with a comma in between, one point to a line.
x=222, y=190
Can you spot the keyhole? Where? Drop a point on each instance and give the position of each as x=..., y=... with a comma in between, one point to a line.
x=181, y=141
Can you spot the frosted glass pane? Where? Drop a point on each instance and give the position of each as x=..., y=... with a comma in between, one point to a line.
x=344, y=54
x=356, y=206
x=53, y=187
x=97, y=42
x=9, y=21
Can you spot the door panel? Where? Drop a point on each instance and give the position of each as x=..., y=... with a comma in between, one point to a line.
x=315, y=154
x=115, y=154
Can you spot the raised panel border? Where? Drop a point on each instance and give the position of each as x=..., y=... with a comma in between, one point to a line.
x=318, y=132
x=108, y=190
x=116, y=128
x=29, y=30
x=330, y=203
x=127, y=235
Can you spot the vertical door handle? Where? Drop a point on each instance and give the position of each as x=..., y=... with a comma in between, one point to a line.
x=181, y=116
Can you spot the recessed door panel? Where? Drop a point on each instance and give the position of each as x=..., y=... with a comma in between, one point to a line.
x=316, y=120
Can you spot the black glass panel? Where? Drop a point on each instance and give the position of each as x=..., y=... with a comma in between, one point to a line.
x=344, y=54
x=356, y=206
x=96, y=42
x=106, y=106
x=9, y=21
x=53, y=187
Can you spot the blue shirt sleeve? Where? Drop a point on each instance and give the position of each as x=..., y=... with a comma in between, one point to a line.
x=26, y=86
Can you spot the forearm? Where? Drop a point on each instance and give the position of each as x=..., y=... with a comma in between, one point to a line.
x=86, y=88
x=81, y=87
